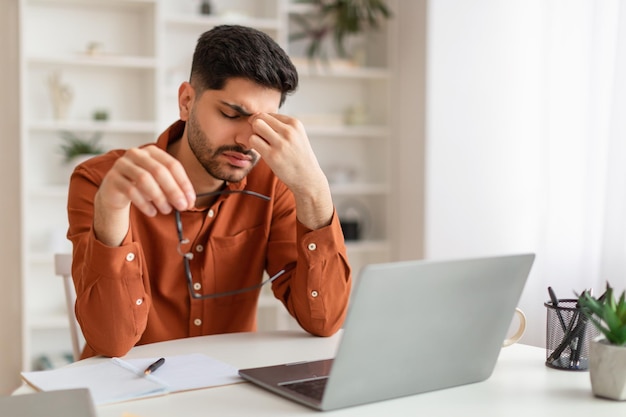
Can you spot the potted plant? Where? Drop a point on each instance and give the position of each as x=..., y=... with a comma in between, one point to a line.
x=607, y=353
x=339, y=18
x=76, y=148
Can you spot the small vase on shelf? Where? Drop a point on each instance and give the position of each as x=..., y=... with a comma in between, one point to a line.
x=61, y=95
x=205, y=7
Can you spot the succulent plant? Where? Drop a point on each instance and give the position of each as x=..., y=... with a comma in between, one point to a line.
x=607, y=313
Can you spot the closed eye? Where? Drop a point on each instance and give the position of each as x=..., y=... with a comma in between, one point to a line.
x=239, y=111
x=229, y=116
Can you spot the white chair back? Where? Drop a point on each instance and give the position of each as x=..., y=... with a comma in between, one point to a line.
x=63, y=268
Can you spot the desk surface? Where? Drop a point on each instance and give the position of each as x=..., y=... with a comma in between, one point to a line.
x=521, y=384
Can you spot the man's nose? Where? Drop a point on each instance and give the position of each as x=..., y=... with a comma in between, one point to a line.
x=242, y=137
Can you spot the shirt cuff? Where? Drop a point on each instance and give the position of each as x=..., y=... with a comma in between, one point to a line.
x=321, y=244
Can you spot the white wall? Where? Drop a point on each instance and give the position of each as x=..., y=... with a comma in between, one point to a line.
x=10, y=243
x=484, y=119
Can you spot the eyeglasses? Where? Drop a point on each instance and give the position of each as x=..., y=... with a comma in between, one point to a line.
x=187, y=256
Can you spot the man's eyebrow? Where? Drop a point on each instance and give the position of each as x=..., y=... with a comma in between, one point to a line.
x=237, y=108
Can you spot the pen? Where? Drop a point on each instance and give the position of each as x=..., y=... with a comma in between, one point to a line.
x=153, y=367
x=555, y=304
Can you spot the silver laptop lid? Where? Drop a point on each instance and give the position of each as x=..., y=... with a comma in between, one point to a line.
x=420, y=326
x=76, y=402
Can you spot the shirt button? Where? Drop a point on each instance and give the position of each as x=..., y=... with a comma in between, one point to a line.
x=197, y=286
x=211, y=213
x=314, y=294
x=130, y=256
x=199, y=248
x=139, y=301
x=312, y=246
x=197, y=322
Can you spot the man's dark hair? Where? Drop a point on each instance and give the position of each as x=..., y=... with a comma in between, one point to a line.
x=230, y=51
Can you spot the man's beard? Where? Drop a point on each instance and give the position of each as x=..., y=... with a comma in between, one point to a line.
x=208, y=156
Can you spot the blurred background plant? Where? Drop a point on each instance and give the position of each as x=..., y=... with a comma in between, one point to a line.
x=339, y=19
x=74, y=145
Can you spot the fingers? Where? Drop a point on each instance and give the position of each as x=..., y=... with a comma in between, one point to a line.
x=284, y=145
x=150, y=179
x=272, y=127
x=278, y=134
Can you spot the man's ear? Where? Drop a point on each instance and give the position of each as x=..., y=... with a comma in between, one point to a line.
x=186, y=96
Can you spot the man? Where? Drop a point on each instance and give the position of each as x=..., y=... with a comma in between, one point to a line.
x=171, y=239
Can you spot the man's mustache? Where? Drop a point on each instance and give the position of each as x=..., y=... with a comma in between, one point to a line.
x=235, y=148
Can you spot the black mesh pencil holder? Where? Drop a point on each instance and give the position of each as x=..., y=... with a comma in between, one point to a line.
x=568, y=333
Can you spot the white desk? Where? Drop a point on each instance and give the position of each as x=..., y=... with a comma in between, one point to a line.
x=521, y=384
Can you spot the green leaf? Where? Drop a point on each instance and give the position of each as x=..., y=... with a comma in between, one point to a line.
x=621, y=307
x=341, y=17
x=607, y=314
x=75, y=145
x=620, y=336
x=610, y=318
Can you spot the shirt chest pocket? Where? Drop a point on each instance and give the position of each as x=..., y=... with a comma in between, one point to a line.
x=237, y=262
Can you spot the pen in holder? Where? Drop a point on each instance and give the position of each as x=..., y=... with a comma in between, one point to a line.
x=568, y=334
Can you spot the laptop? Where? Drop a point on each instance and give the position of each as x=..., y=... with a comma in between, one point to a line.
x=61, y=403
x=411, y=327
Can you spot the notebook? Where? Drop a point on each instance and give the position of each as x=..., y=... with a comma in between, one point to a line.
x=115, y=379
x=412, y=327
x=61, y=403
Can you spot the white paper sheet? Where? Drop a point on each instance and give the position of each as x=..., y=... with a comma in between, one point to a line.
x=118, y=379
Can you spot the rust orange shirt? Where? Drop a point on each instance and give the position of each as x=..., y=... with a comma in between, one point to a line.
x=137, y=293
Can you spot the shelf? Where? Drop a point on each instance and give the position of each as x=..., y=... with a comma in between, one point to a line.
x=364, y=246
x=339, y=70
x=130, y=4
x=348, y=131
x=267, y=300
x=97, y=61
x=49, y=191
x=358, y=189
x=92, y=126
x=48, y=321
x=41, y=258
x=121, y=75
x=206, y=22
x=295, y=8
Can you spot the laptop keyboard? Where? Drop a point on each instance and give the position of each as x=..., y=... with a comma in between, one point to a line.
x=313, y=388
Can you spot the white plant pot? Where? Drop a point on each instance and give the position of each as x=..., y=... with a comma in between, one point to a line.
x=607, y=369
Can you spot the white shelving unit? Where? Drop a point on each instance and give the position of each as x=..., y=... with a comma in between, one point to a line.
x=129, y=57
x=105, y=53
x=355, y=155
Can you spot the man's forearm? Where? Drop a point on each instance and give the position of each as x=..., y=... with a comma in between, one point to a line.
x=110, y=225
x=314, y=208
